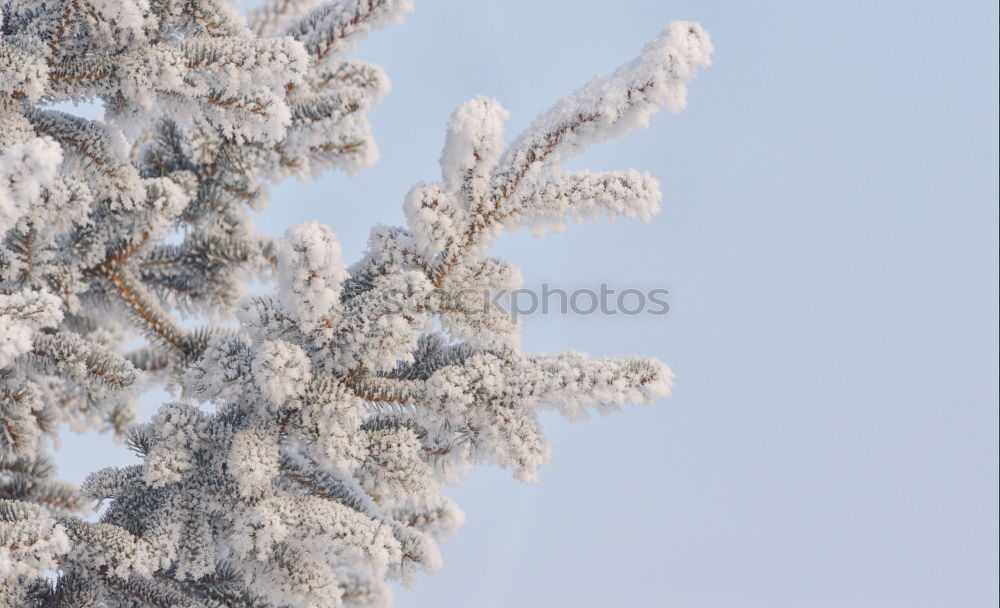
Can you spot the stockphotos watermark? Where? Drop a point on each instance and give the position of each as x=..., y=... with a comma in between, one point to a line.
x=548, y=300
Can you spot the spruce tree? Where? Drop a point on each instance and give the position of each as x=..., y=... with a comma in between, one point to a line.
x=303, y=464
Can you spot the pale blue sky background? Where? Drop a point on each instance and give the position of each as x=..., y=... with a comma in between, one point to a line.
x=829, y=238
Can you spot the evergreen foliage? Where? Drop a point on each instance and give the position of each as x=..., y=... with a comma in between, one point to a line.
x=304, y=463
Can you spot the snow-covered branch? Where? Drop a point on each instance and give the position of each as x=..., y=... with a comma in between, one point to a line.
x=304, y=460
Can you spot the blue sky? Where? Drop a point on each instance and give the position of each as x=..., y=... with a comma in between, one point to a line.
x=829, y=240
